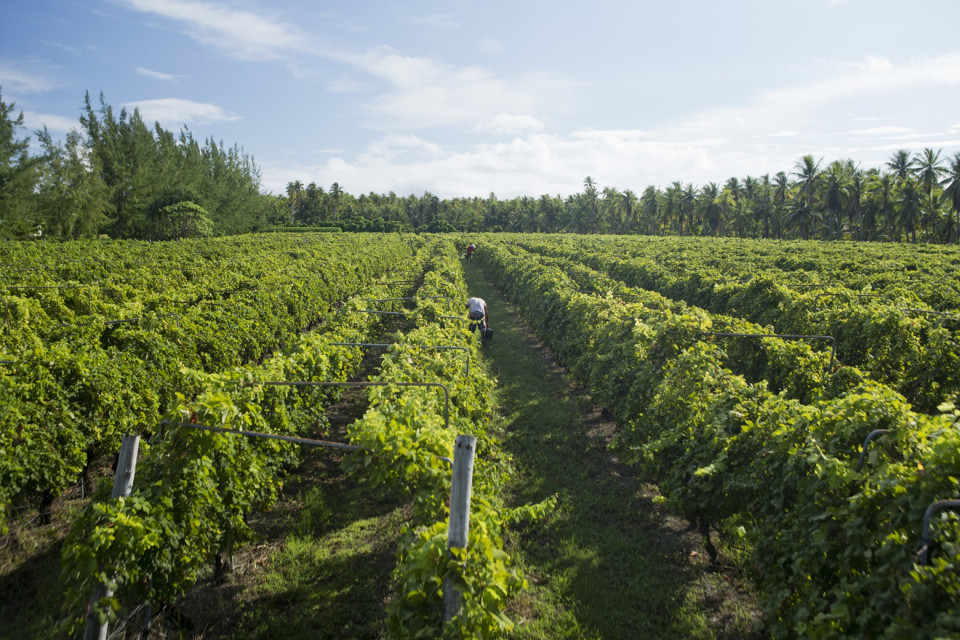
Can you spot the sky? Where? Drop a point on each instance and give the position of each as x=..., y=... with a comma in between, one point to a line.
x=465, y=98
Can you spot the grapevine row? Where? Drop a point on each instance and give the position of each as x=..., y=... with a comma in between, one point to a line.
x=893, y=337
x=923, y=273
x=74, y=383
x=198, y=486
x=834, y=549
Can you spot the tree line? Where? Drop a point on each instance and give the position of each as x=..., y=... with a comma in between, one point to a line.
x=114, y=175
x=913, y=197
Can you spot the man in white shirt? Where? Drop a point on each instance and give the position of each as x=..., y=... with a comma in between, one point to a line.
x=477, y=310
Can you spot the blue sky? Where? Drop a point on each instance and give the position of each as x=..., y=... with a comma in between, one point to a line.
x=526, y=97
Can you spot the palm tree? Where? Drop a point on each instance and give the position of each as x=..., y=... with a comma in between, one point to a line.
x=909, y=208
x=630, y=207
x=713, y=205
x=857, y=187
x=688, y=205
x=901, y=164
x=612, y=215
x=951, y=189
x=591, y=205
x=741, y=215
x=734, y=188
x=335, y=192
x=761, y=203
x=673, y=209
x=650, y=209
x=807, y=172
x=548, y=211
x=530, y=222
x=294, y=189
x=928, y=169
x=879, y=205
x=781, y=199
x=834, y=192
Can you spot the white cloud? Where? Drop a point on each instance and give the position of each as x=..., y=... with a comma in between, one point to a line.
x=914, y=144
x=173, y=112
x=243, y=34
x=347, y=84
x=415, y=92
x=606, y=134
x=71, y=49
x=871, y=63
x=156, y=75
x=491, y=45
x=811, y=109
x=423, y=93
x=438, y=21
x=786, y=133
x=512, y=123
x=766, y=133
x=19, y=77
x=56, y=124
x=533, y=165
x=883, y=131
x=401, y=148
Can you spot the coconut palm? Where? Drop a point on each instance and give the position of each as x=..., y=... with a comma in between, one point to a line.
x=909, y=207
x=294, y=190
x=613, y=217
x=590, y=203
x=548, y=211
x=734, y=188
x=855, y=193
x=929, y=170
x=807, y=172
x=780, y=197
x=335, y=194
x=673, y=207
x=951, y=190
x=713, y=205
x=688, y=206
x=760, y=197
x=650, y=209
x=630, y=207
x=879, y=205
x=834, y=193
x=901, y=164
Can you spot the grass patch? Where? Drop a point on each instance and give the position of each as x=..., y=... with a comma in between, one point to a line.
x=321, y=569
x=331, y=582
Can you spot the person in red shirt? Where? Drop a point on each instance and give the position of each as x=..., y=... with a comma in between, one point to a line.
x=470, y=249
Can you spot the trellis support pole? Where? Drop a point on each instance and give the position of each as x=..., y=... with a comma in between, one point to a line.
x=122, y=486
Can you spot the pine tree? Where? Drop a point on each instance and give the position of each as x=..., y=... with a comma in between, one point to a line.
x=18, y=174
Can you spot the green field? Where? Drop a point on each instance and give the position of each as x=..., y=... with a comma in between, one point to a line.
x=670, y=436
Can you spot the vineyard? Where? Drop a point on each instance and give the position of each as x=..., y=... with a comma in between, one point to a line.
x=798, y=401
x=763, y=438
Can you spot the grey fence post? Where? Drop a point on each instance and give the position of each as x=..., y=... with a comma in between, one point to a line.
x=122, y=486
x=459, y=528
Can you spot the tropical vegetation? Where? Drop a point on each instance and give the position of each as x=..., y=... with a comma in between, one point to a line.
x=116, y=175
